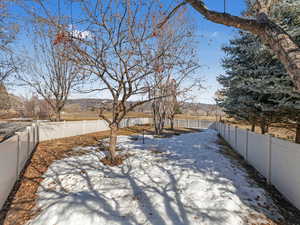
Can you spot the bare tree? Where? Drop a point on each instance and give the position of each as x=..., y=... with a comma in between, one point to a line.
x=285, y=48
x=118, y=51
x=177, y=67
x=48, y=70
x=180, y=97
x=5, y=101
x=8, y=33
x=31, y=106
x=160, y=105
x=115, y=42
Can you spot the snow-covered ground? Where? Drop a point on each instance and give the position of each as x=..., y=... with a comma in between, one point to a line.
x=191, y=182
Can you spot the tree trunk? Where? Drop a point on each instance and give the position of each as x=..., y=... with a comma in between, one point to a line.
x=113, y=141
x=285, y=48
x=253, y=127
x=287, y=51
x=57, y=116
x=297, y=139
x=263, y=126
x=159, y=116
x=172, y=122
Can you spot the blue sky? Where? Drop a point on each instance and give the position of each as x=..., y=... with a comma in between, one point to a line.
x=214, y=37
x=211, y=38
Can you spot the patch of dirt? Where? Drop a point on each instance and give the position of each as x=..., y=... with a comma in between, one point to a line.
x=155, y=151
x=116, y=162
x=167, y=132
x=290, y=213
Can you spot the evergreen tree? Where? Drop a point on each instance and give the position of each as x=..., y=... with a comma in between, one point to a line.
x=256, y=87
x=248, y=71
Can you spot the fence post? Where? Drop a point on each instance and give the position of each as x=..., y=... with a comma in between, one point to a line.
x=269, y=179
x=199, y=124
x=18, y=155
x=228, y=133
x=235, y=137
x=187, y=122
x=247, y=140
x=178, y=123
x=34, y=135
x=223, y=129
x=38, y=132
x=28, y=140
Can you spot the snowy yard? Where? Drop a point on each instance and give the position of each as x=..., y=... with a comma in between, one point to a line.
x=179, y=180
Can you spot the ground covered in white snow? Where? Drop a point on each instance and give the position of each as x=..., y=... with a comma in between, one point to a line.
x=190, y=182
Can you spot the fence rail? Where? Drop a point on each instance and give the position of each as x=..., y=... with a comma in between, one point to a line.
x=277, y=160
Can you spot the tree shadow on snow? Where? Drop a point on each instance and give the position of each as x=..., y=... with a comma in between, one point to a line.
x=158, y=203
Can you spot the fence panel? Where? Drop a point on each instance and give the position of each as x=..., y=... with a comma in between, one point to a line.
x=226, y=132
x=193, y=124
x=50, y=131
x=241, y=142
x=221, y=129
x=285, y=169
x=8, y=167
x=90, y=126
x=258, y=152
x=232, y=136
x=23, y=149
x=276, y=159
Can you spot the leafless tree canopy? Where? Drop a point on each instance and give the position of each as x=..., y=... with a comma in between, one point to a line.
x=8, y=33
x=48, y=71
x=177, y=68
x=118, y=44
x=119, y=51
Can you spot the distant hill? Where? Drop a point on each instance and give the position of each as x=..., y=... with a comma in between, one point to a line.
x=90, y=104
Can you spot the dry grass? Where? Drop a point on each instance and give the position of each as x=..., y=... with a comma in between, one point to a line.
x=89, y=115
x=277, y=130
x=195, y=117
x=20, y=206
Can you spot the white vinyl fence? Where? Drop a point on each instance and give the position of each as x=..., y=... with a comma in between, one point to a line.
x=15, y=151
x=277, y=160
x=194, y=124
x=49, y=131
